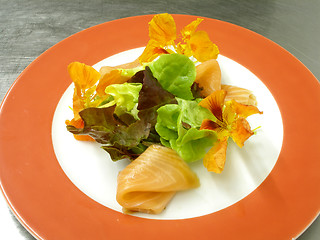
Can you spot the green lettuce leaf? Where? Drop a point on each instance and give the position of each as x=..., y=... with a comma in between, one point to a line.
x=193, y=144
x=167, y=121
x=176, y=74
x=125, y=97
x=178, y=126
x=193, y=114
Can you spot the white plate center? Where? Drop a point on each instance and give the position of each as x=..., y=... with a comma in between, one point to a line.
x=90, y=168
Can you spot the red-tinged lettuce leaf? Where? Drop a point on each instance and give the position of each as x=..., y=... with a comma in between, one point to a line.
x=100, y=124
x=117, y=152
x=152, y=94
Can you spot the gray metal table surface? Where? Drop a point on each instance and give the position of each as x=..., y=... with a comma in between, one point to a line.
x=29, y=27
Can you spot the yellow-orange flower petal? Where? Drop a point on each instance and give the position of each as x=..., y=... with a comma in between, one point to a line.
x=188, y=30
x=215, y=158
x=241, y=131
x=214, y=102
x=162, y=29
x=151, y=52
x=83, y=75
x=202, y=47
x=228, y=113
x=77, y=103
x=209, y=124
x=182, y=48
x=221, y=131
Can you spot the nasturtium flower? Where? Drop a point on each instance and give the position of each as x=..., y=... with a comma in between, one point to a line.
x=163, y=37
x=162, y=29
x=201, y=47
x=162, y=33
x=230, y=122
x=197, y=43
x=152, y=51
x=190, y=29
x=84, y=78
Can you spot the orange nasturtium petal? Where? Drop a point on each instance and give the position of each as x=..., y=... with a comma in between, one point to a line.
x=77, y=104
x=183, y=49
x=162, y=29
x=151, y=52
x=83, y=75
x=241, y=131
x=228, y=115
x=215, y=158
x=209, y=124
x=244, y=110
x=221, y=131
x=190, y=29
x=84, y=78
x=214, y=102
x=162, y=33
x=202, y=47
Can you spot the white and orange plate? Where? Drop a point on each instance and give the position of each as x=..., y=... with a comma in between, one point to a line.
x=60, y=188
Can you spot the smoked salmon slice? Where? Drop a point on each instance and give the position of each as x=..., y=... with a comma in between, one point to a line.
x=208, y=76
x=209, y=79
x=241, y=95
x=149, y=182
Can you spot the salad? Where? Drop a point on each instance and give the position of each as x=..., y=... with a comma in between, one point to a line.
x=162, y=111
